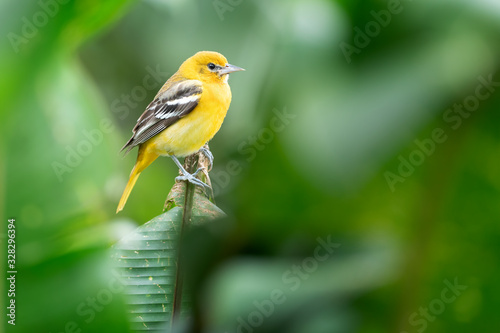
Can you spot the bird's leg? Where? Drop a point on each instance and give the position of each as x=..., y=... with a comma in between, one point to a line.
x=187, y=176
x=209, y=156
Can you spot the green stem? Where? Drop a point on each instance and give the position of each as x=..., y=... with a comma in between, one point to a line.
x=189, y=164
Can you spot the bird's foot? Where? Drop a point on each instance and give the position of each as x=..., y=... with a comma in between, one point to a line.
x=192, y=178
x=209, y=156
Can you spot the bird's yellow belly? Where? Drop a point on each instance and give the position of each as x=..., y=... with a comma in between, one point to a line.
x=190, y=133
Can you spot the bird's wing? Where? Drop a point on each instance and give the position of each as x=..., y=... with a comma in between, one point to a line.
x=168, y=106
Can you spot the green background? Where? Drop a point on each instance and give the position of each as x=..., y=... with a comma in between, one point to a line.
x=376, y=154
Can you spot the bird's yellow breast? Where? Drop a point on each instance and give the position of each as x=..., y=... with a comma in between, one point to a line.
x=191, y=132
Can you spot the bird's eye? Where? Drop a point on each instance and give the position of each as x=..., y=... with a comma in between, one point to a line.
x=211, y=66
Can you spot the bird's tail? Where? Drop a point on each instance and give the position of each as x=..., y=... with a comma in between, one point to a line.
x=144, y=159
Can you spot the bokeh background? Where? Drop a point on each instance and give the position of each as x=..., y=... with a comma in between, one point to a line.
x=371, y=125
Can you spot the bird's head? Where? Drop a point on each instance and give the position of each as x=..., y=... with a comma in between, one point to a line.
x=208, y=66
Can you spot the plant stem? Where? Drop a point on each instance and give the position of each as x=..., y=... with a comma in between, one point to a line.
x=189, y=164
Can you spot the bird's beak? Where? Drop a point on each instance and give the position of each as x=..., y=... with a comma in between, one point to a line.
x=229, y=69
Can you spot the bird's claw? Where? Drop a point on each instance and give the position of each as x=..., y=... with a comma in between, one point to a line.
x=197, y=171
x=208, y=154
x=192, y=178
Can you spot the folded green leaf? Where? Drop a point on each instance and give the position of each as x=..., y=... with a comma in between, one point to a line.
x=147, y=260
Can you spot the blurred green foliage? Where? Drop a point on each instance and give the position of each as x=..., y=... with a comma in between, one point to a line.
x=319, y=142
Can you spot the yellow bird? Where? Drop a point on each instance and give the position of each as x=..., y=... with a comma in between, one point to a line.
x=185, y=114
